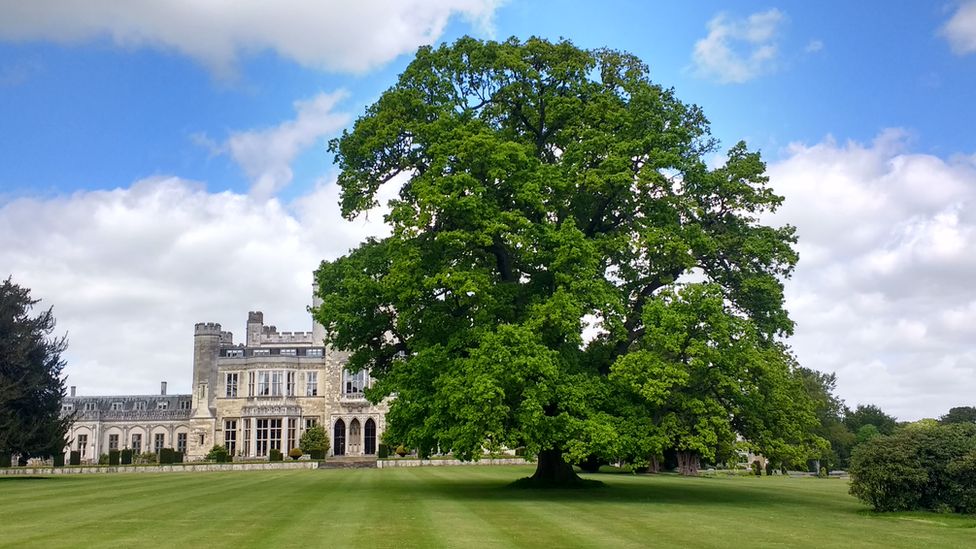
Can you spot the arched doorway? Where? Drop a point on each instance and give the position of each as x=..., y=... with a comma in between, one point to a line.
x=339, y=438
x=354, y=438
x=369, y=437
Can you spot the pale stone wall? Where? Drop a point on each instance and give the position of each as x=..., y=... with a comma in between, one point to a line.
x=175, y=468
x=386, y=463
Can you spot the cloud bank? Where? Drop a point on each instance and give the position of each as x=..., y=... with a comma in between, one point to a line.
x=883, y=292
x=329, y=35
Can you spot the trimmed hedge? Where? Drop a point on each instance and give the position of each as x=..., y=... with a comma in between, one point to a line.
x=126, y=457
x=74, y=458
x=167, y=456
x=113, y=457
x=383, y=452
x=275, y=455
x=6, y=460
x=922, y=467
x=317, y=454
x=59, y=459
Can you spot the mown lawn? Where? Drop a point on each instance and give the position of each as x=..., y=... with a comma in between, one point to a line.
x=450, y=507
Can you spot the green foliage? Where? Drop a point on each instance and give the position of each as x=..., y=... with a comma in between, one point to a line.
x=113, y=457
x=147, y=457
x=928, y=467
x=756, y=468
x=58, y=460
x=126, y=457
x=828, y=409
x=74, y=458
x=167, y=456
x=295, y=453
x=866, y=433
x=178, y=457
x=103, y=459
x=869, y=414
x=548, y=185
x=383, y=451
x=218, y=453
x=5, y=459
x=315, y=442
x=275, y=455
x=401, y=450
x=959, y=414
x=31, y=384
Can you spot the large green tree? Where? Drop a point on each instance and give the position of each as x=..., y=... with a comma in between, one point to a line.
x=31, y=386
x=565, y=272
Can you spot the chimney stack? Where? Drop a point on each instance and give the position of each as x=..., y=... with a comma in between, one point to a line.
x=73, y=390
x=162, y=388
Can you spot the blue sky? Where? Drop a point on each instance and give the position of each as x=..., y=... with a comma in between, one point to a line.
x=142, y=143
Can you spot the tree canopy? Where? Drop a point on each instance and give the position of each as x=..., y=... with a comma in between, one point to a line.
x=31, y=386
x=565, y=272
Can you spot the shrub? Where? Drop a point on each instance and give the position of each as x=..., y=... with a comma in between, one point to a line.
x=126, y=457
x=769, y=468
x=148, y=457
x=401, y=450
x=59, y=459
x=178, y=457
x=315, y=441
x=930, y=467
x=275, y=455
x=218, y=453
x=383, y=451
x=113, y=457
x=756, y=468
x=103, y=459
x=295, y=453
x=5, y=459
x=167, y=456
x=74, y=458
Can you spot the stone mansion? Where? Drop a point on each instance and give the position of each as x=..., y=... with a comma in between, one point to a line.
x=251, y=397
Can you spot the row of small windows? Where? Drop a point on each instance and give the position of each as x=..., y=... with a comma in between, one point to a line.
x=159, y=442
x=138, y=406
x=277, y=383
x=241, y=353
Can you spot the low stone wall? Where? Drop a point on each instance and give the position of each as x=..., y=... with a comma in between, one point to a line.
x=384, y=463
x=175, y=468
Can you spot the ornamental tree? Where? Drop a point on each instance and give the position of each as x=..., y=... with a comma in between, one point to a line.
x=564, y=271
x=31, y=386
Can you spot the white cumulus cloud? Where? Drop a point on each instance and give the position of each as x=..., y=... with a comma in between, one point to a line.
x=960, y=30
x=738, y=50
x=130, y=270
x=266, y=154
x=883, y=292
x=323, y=34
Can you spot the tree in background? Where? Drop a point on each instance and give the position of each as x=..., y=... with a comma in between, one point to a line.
x=829, y=410
x=959, y=414
x=548, y=189
x=31, y=386
x=869, y=414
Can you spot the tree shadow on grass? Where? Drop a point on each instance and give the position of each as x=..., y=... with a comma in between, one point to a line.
x=643, y=489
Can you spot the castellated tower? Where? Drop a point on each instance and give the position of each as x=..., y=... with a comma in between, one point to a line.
x=206, y=348
x=255, y=326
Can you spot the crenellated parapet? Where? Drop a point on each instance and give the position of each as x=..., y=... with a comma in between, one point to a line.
x=207, y=329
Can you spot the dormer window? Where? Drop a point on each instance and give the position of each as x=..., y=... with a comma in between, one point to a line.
x=162, y=405
x=116, y=407
x=90, y=407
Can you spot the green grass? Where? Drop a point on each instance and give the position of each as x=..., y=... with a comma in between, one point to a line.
x=450, y=507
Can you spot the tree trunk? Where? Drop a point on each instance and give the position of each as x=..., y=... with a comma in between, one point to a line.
x=654, y=465
x=552, y=470
x=688, y=463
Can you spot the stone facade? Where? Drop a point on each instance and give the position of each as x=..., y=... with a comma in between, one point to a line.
x=251, y=397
